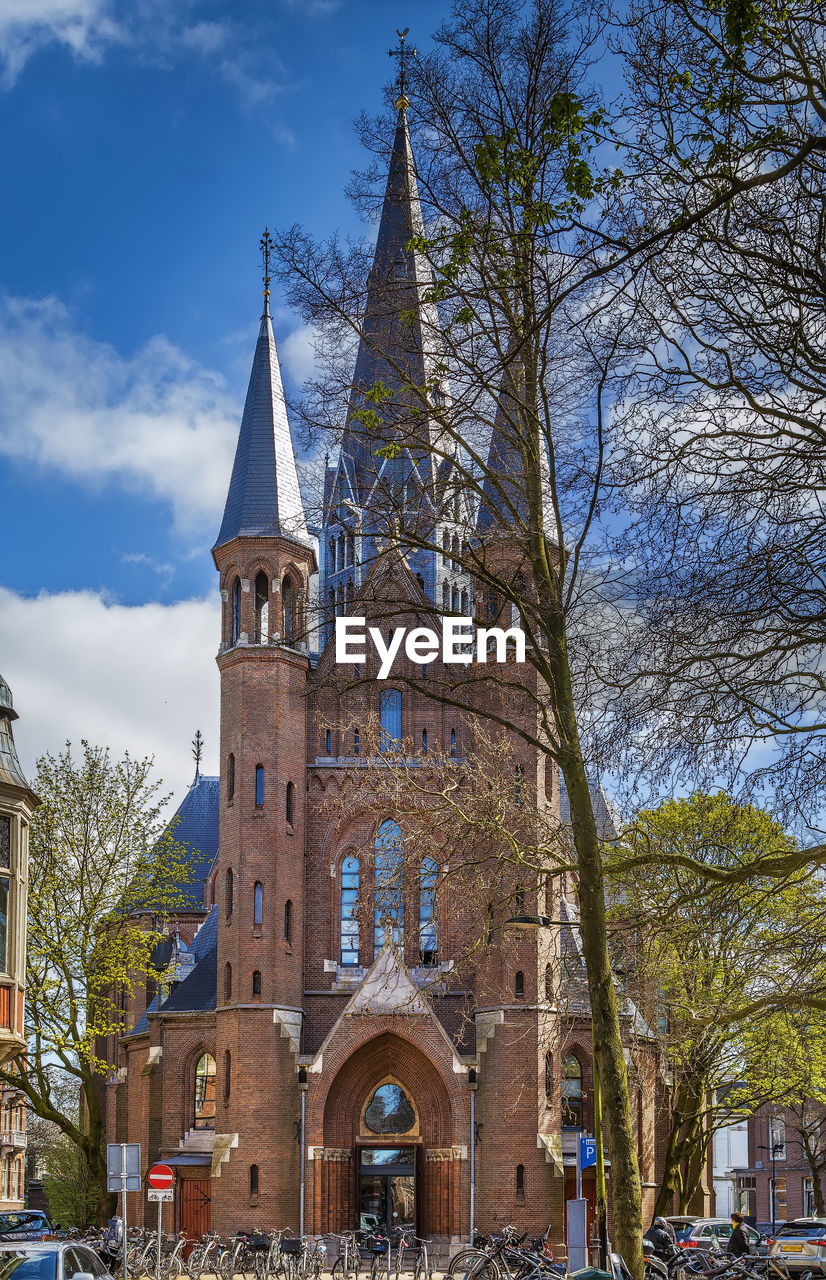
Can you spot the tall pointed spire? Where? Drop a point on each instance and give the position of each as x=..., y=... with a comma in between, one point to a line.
x=402, y=339
x=264, y=498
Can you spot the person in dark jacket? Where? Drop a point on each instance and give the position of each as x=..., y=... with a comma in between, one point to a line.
x=662, y=1237
x=738, y=1242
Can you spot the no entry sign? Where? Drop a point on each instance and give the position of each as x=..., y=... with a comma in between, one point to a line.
x=160, y=1177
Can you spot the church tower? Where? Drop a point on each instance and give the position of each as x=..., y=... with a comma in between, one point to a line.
x=367, y=493
x=265, y=558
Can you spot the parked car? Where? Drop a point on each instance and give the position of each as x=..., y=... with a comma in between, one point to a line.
x=801, y=1244
x=711, y=1233
x=51, y=1260
x=25, y=1224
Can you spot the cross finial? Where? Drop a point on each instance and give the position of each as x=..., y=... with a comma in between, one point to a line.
x=197, y=750
x=266, y=249
x=403, y=53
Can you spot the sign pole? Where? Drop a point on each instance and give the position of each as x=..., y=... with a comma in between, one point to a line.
x=602, y=1214
x=123, y=1202
x=158, y=1256
x=579, y=1168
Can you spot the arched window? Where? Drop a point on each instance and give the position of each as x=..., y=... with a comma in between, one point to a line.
x=356, y=742
x=236, y=610
x=262, y=609
x=456, y=600
x=228, y=981
x=253, y=1180
x=350, y=883
x=288, y=610
x=454, y=548
x=340, y=552
x=520, y=1182
x=390, y=712
x=549, y=1076
x=228, y=891
x=256, y=982
x=290, y=804
x=227, y=1074
x=453, y=742
x=445, y=596
x=424, y=742
x=428, y=875
x=571, y=1092
x=230, y=777
x=259, y=786
x=389, y=1111
x=549, y=982
x=288, y=921
x=519, y=984
x=420, y=580
x=204, y=1092
x=389, y=885
x=328, y=742
x=332, y=555
x=258, y=903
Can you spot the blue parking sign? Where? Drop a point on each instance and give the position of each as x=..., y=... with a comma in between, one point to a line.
x=587, y=1152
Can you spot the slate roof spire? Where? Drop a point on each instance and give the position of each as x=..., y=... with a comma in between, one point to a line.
x=392, y=349
x=264, y=499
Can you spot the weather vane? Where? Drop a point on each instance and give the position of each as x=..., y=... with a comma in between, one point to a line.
x=266, y=249
x=403, y=53
x=197, y=750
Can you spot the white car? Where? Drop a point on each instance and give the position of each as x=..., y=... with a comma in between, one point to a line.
x=50, y=1260
x=801, y=1244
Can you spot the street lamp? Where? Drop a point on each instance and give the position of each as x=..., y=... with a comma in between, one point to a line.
x=774, y=1149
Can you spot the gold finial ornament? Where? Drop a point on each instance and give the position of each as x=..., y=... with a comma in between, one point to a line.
x=403, y=53
x=266, y=249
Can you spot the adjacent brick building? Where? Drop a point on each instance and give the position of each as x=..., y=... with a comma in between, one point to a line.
x=316, y=1053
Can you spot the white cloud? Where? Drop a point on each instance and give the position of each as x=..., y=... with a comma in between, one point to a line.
x=85, y=27
x=156, y=422
x=297, y=354
x=154, y=31
x=140, y=677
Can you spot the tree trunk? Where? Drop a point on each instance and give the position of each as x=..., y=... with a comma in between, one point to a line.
x=626, y=1189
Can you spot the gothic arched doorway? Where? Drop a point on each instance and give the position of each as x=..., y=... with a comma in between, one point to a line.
x=389, y=1157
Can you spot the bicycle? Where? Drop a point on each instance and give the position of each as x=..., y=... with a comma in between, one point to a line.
x=347, y=1265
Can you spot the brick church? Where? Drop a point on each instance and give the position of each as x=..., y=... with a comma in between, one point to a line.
x=308, y=1060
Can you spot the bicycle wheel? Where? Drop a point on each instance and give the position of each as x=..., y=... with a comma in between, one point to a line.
x=226, y=1265
x=195, y=1264
x=174, y=1268
x=473, y=1265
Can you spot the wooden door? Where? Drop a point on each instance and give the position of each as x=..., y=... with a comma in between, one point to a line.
x=196, y=1217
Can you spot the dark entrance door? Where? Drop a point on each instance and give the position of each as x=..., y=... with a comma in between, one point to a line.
x=195, y=1207
x=387, y=1188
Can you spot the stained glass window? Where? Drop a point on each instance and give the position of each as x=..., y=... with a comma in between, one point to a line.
x=428, y=875
x=388, y=884
x=350, y=883
x=205, y=1092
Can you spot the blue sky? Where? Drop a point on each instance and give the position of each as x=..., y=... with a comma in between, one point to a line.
x=144, y=145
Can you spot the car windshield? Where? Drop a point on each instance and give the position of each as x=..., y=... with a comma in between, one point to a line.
x=804, y=1230
x=28, y=1265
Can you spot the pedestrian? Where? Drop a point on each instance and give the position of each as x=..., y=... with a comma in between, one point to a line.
x=738, y=1242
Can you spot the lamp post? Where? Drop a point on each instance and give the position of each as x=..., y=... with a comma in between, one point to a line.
x=774, y=1150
